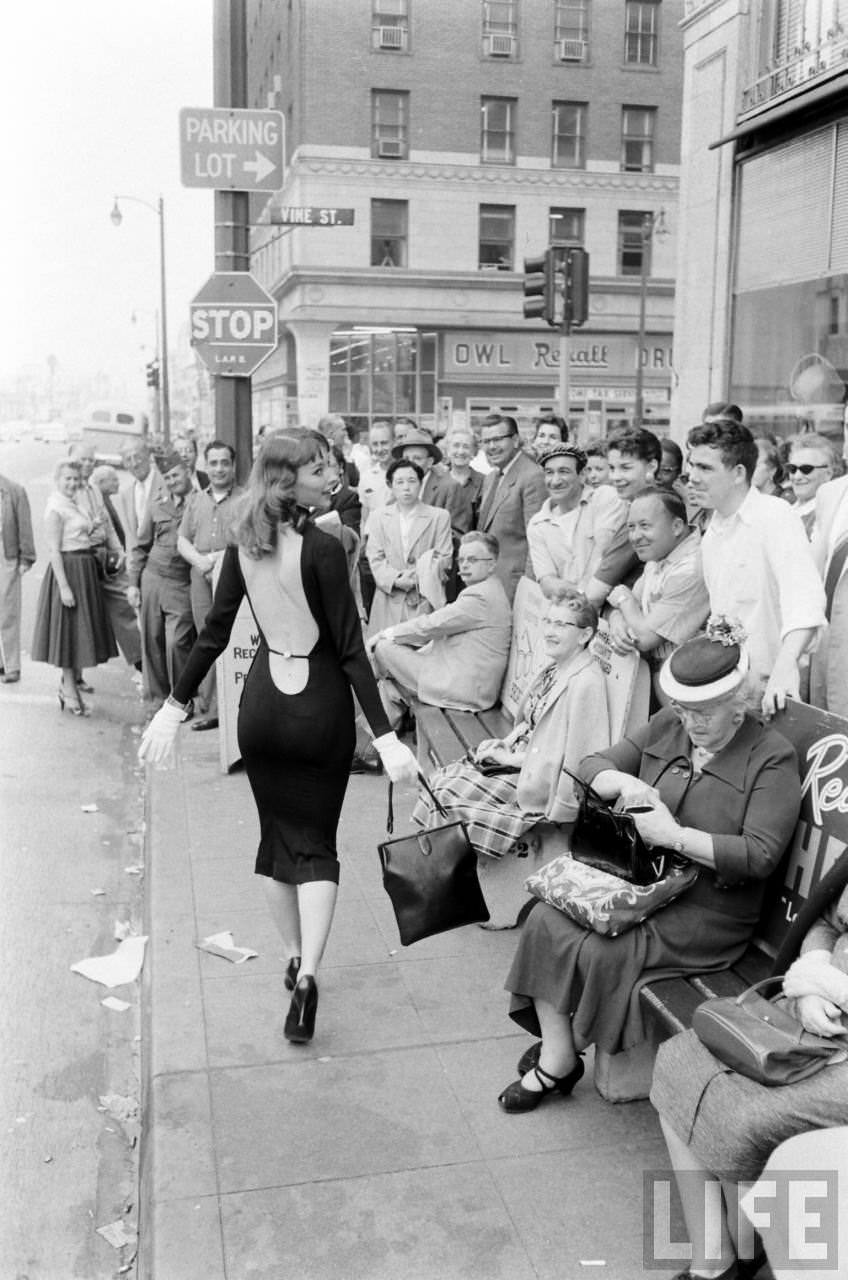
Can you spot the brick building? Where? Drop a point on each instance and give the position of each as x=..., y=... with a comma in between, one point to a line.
x=465, y=135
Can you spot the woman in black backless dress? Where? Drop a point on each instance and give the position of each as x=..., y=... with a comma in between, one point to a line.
x=296, y=717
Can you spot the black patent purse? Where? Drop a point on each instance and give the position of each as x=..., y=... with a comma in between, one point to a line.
x=607, y=839
x=431, y=877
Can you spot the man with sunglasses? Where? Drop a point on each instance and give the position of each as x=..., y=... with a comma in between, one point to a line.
x=456, y=656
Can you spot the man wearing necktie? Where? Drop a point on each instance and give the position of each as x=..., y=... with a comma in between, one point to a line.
x=513, y=491
x=829, y=665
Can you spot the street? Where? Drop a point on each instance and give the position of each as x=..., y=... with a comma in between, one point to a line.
x=68, y=1162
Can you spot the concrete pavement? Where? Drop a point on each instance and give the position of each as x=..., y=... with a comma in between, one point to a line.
x=378, y=1151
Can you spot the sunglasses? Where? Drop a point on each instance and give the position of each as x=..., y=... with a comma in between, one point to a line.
x=806, y=468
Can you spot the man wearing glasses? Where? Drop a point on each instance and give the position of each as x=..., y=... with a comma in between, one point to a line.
x=513, y=492
x=456, y=656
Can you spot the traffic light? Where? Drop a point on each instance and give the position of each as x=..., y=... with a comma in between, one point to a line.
x=153, y=373
x=540, y=287
x=576, y=309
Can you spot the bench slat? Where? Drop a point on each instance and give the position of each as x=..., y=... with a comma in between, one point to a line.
x=671, y=1003
x=467, y=728
x=496, y=722
x=438, y=743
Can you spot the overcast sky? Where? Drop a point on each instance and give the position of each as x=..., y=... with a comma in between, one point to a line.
x=90, y=93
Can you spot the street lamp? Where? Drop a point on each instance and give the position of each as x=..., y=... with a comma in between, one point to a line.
x=653, y=226
x=164, y=388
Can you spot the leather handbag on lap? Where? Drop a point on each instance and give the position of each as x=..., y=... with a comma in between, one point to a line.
x=431, y=877
x=605, y=903
x=761, y=1039
x=606, y=838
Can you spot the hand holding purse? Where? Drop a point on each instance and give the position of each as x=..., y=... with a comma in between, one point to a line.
x=431, y=877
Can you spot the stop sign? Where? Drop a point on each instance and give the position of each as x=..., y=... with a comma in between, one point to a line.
x=233, y=324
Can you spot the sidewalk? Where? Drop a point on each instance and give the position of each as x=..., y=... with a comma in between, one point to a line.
x=377, y=1152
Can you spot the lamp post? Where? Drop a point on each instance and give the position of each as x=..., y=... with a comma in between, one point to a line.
x=653, y=225
x=164, y=388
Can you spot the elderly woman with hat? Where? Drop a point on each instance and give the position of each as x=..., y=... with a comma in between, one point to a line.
x=705, y=779
x=567, y=537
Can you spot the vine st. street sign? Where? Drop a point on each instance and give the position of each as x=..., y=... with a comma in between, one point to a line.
x=230, y=149
x=233, y=324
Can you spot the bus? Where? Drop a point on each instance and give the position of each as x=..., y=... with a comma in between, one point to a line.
x=109, y=428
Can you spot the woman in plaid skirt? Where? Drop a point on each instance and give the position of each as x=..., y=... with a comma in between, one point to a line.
x=563, y=716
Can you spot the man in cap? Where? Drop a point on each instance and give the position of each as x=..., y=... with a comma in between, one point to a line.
x=159, y=584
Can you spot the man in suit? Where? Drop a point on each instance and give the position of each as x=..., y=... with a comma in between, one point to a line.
x=456, y=656
x=513, y=491
x=829, y=664
x=132, y=503
x=17, y=555
x=438, y=490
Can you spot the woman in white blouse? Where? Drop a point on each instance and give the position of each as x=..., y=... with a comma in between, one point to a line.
x=568, y=536
x=72, y=629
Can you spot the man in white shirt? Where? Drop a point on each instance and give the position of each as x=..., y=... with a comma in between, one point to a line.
x=757, y=562
x=147, y=485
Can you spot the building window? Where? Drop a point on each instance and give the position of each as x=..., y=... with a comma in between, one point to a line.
x=569, y=135
x=500, y=28
x=389, y=233
x=571, y=30
x=389, y=124
x=637, y=139
x=497, y=130
x=634, y=247
x=567, y=226
x=497, y=236
x=382, y=375
x=641, y=28
x=390, y=25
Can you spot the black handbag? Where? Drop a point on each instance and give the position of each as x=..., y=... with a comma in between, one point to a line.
x=762, y=1039
x=607, y=839
x=431, y=877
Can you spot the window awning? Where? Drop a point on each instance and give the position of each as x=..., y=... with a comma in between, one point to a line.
x=804, y=99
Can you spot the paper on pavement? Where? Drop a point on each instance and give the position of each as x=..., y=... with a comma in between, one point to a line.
x=221, y=944
x=122, y=966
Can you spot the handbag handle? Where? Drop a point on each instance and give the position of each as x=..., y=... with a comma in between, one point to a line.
x=675, y=760
x=390, y=815
x=770, y=981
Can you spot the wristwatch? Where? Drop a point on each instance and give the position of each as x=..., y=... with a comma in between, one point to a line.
x=617, y=594
x=678, y=845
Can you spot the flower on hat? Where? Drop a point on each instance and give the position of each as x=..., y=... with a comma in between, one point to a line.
x=724, y=630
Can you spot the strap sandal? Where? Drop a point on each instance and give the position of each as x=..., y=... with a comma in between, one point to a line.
x=516, y=1098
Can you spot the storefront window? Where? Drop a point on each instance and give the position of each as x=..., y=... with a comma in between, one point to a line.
x=789, y=364
x=382, y=375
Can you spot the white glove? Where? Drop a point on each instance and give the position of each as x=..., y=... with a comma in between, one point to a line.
x=157, y=741
x=397, y=759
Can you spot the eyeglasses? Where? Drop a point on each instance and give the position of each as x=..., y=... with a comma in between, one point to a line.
x=559, y=625
x=806, y=468
x=473, y=559
x=497, y=439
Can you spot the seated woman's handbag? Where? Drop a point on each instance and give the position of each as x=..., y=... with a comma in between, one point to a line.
x=610, y=881
x=431, y=877
x=607, y=839
x=761, y=1039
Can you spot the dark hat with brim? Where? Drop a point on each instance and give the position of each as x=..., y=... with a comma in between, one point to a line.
x=703, y=669
x=171, y=460
x=422, y=441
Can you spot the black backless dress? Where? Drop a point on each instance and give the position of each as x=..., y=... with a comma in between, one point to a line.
x=297, y=748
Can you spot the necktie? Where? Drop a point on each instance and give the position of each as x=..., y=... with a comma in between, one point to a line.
x=116, y=520
x=834, y=573
x=490, y=497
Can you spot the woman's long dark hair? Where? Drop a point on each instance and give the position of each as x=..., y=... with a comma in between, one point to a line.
x=270, y=501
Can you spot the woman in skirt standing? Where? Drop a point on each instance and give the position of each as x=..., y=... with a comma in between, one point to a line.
x=72, y=629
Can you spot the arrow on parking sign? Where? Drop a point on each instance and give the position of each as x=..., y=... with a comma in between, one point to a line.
x=260, y=168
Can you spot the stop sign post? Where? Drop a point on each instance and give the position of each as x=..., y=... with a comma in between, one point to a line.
x=233, y=324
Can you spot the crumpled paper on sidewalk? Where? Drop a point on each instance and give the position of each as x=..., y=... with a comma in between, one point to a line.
x=221, y=944
x=116, y=1234
x=115, y=970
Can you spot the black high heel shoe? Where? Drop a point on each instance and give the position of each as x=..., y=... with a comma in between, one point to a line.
x=516, y=1098
x=300, y=1020
x=75, y=704
x=292, y=969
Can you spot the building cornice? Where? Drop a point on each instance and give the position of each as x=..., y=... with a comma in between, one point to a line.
x=487, y=175
x=473, y=282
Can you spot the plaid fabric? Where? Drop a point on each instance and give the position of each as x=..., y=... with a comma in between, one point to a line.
x=487, y=806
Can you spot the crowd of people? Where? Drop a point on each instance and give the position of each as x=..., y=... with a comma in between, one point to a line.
x=382, y=573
